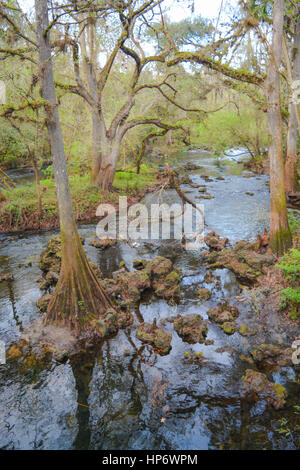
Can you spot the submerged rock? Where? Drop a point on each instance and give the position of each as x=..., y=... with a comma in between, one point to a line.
x=206, y=196
x=214, y=241
x=195, y=358
x=150, y=333
x=191, y=166
x=191, y=328
x=29, y=355
x=256, y=386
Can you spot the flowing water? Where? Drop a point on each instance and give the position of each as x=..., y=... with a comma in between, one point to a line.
x=124, y=396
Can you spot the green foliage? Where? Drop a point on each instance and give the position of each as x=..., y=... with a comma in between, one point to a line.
x=228, y=128
x=187, y=32
x=129, y=181
x=23, y=198
x=294, y=221
x=290, y=265
x=291, y=299
x=12, y=150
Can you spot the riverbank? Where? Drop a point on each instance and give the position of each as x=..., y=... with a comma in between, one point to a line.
x=19, y=209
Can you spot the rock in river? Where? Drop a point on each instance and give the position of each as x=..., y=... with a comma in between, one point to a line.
x=256, y=386
x=191, y=328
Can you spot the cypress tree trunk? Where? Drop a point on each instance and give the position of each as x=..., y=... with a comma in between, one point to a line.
x=291, y=175
x=280, y=235
x=78, y=299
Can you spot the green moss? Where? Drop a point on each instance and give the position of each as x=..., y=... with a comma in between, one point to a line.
x=281, y=241
x=246, y=330
x=229, y=328
x=280, y=390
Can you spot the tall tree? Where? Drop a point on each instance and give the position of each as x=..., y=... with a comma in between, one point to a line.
x=291, y=174
x=280, y=235
x=78, y=300
x=91, y=84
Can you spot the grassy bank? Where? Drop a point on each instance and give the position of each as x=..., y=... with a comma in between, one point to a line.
x=19, y=208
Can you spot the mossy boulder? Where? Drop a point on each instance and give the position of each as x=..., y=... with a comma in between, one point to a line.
x=130, y=285
x=159, y=266
x=111, y=322
x=204, y=294
x=168, y=287
x=246, y=330
x=160, y=339
x=191, y=328
x=256, y=386
x=229, y=327
x=157, y=274
x=223, y=313
x=271, y=355
x=103, y=244
x=244, y=260
x=214, y=241
x=139, y=263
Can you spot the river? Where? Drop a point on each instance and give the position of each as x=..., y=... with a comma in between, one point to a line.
x=125, y=396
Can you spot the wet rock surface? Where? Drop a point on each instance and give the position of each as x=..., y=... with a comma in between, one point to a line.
x=215, y=242
x=159, y=275
x=204, y=294
x=223, y=313
x=257, y=386
x=244, y=260
x=6, y=277
x=191, y=328
x=271, y=355
x=103, y=244
x=246, y=330
x=150, y=333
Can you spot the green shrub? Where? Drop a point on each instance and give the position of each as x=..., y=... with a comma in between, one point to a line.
x=290, y=265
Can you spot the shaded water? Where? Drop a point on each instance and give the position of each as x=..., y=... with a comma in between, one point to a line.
x=124, y=396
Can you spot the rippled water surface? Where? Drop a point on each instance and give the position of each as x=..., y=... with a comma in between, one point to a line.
x=125, y=396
